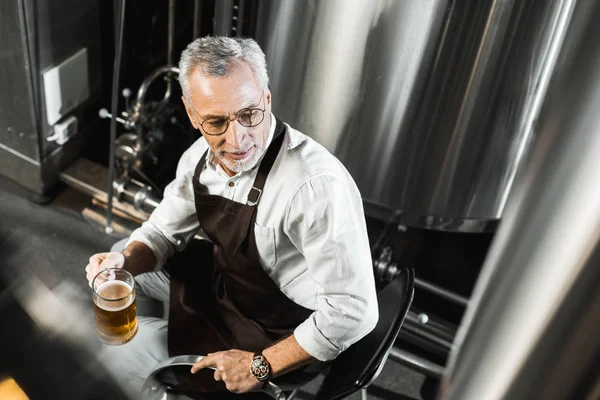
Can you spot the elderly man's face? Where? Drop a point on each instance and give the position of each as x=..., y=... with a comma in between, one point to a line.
x=240, y=147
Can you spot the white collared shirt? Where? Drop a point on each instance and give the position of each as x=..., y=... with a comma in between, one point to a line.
x=310, y=233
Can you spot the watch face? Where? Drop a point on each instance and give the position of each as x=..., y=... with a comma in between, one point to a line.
x=260, y=368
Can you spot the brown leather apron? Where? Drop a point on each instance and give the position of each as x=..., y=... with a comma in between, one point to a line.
x=225, y=300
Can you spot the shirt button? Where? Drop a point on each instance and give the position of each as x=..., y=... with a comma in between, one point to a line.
x=231, y=184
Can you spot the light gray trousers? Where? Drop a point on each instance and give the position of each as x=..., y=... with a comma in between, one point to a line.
x=132, y=362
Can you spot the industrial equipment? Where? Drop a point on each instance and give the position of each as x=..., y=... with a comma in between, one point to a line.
x=49, y=80
x=431, y=105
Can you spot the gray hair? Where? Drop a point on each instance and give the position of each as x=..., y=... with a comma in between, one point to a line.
x=215, y=56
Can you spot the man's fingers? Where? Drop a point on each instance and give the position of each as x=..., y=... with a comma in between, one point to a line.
x=111, y=260
x=218, y=375
x=206, y=362
x=91, y=270
x=88, y=273
x=100, y=261
x=97, y=258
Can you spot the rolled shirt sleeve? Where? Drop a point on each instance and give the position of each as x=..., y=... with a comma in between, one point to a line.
x=326, y=223
x=173, y=223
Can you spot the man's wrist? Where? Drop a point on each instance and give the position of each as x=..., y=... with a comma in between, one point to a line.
x=125, y=259
x=139, y=258
x=260, y=367
x=286, y=355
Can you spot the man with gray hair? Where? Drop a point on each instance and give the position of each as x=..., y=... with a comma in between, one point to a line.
x=287, y=278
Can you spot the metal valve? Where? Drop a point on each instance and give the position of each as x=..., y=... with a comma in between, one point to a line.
x=103, y=113
x=126, y=94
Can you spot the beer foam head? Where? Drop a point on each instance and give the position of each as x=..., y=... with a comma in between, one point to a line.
x=114, y=295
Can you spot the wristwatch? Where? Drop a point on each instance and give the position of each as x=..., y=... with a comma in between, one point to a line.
x=260, y=367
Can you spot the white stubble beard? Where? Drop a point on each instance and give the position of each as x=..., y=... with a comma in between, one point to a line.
x=238, y=166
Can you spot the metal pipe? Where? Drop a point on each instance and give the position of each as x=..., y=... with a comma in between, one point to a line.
x=136, y=112
x=445, y=329
x=422, y=343
x=136, y=193
x=168, y=92
x=171, y=32
x=446, y=294
x=415, y=362
x=170, y=39
x=363, y=394
x=120, y=26
x=428, y=335
x=143, y=89
x=431, y=334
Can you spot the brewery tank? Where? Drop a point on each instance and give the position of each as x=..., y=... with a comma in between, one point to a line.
x=430, y=104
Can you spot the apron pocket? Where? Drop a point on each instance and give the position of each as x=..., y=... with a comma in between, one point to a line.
x=265, y=244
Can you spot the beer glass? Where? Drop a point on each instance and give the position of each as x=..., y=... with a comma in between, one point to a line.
x=114, y=306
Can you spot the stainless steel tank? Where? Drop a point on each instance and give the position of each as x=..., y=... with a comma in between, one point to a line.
x=430, y=104
x=531, y=327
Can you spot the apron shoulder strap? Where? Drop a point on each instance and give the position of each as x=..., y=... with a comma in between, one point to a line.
x=199, y=166
x=266, y=164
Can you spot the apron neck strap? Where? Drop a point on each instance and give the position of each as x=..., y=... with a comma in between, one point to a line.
x=264, y=168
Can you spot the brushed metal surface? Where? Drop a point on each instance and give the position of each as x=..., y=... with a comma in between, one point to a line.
x=36, y=35
x=17, y=117
x=429, y=104
x=531, y=328
x=21, y=169
x=55, y=31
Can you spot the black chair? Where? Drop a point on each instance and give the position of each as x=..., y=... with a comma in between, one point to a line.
x=353, y=370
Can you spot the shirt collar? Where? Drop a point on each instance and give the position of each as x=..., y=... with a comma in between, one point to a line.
x=211, y=160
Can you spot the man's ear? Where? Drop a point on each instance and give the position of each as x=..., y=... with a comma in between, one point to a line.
x=190, y=113
x=268, y=96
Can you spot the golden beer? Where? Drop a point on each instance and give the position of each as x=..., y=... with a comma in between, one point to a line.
x=114, y=306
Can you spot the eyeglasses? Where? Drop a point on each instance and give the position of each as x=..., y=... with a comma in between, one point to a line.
x=247, y=117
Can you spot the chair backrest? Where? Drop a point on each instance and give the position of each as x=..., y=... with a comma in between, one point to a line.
x=360, y=364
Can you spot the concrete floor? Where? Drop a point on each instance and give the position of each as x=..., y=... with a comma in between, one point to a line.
x=63, y=239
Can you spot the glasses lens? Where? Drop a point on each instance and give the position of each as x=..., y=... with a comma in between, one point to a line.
x=215, y=126
x=248, y=118
x=251, y=117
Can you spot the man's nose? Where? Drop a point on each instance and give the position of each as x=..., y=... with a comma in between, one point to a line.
x=234, y=134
